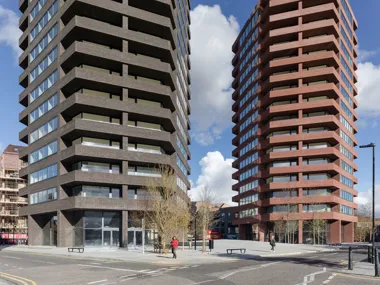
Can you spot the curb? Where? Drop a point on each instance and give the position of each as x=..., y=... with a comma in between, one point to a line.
x=296, y=253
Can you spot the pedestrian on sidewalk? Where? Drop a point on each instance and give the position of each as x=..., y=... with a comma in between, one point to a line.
x=272, y=243
x=174, y=244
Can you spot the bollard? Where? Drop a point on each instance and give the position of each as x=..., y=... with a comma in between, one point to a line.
x=369, y=254
x=373, y=255
x=350, y=258
x=376, y=263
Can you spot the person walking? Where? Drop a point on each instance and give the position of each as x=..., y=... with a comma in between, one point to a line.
x=174, y=244
x=272, y=243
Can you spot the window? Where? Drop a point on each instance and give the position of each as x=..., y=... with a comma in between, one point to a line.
x=44, y=174
x=95, y=142
x=347, y=11
x=315, y=130
x=316, y=176
x=346, y=138
x=44, y=64
x=181, y=184
x=346, y=210
x=346, y=153
x=36, y=9
x=248, y=28
x=346, y=39
x=282, y=133
x=44, y=86
x=44, y=20
x=181, y=147
x=181, y=165
x=43, y=152
x=316, y=192
x=145, y=148
x=315, y=145
x=346, y=167
x=346, y=195
x=346, y=124
x=98, y=118
x=282, y=178
x=248, y=200
x=249, y=120
x=280, y=103
x=249, y=134
x=282, y=209
x=283, y=164
x=50, y=35
x=316, y=208
x=248, y=213
x=250, y=106
x=145, y=125
x=43, y=196
x=315, y=114
x=282, y=148
x=90, y=166
x=181, y=129
x=249, y=147
x=319, y=98
x=97, y=191
x=44, y=108
x=44, y=130
x=247, y=174
x=249, y=160
x=312, y=161
x=249, y=186
x=282, y=194
x=143, y=171
x=346, y=110
x=346, y=181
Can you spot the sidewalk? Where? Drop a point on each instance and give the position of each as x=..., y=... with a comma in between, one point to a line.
x=186, y=256
x=362, y=268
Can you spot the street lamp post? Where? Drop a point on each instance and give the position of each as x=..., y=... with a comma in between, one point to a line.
x=372, y=145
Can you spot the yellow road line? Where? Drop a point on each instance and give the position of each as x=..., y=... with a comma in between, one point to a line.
x=105, y=260
x=14, y=279
x=19, y=277
x=357, y=277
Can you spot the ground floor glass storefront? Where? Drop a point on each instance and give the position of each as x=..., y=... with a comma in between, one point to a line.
x=97, y=229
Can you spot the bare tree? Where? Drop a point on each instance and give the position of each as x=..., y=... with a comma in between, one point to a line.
x=205, y=212
x=166, y=210
x=363, y=228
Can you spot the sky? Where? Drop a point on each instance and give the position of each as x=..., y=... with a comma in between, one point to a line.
x=215, y=26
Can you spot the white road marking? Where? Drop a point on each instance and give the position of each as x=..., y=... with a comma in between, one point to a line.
x=11, y=257
x=111, y=268
x=126, y=279
x=247, y=269
x=145, y=270
x=94, y=282
x=46, y=262
x=311, y=277
x=326, y=282
x=126, y=276
x=94, y=263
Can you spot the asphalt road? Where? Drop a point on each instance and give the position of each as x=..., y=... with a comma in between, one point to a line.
x=40, y=269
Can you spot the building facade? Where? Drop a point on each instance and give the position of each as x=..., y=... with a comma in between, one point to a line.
x=294, y=114
x=106, y=101
x=13, y=228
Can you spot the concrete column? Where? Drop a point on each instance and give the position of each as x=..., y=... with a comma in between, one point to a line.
x=300, y=231
x=348, y=232
x=124, y=229
x=242, y=233
x=335, y=232
x=262, y=231
x=34, y=232
x=65, y=229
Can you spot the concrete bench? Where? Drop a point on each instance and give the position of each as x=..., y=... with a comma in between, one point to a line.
x=79, y=249
x=230, y=250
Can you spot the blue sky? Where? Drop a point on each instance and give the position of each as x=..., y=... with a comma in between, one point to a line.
x=211, y=127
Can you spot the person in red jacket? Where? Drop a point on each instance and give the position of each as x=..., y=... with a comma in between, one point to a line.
x=174, y=244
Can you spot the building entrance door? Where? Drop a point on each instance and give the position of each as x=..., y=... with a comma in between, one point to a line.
x=111, y=238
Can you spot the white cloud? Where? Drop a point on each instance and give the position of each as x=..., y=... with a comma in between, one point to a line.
x=369, y=96
x=212, y=37
x=365, y=197
x=9, y=31
x=216, y=174
x=364, y=55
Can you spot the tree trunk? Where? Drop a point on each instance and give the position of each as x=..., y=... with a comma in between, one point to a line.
x=204, y=240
